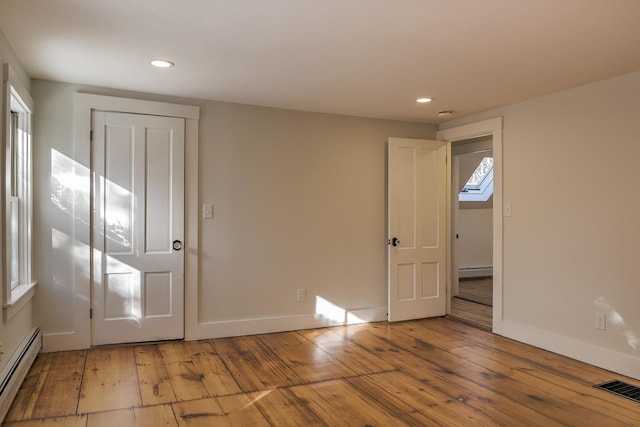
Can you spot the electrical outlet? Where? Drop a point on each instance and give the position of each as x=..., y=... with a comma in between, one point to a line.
x=601, y=321
x=301, y=294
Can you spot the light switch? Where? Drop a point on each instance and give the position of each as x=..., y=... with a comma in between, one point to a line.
x=207, y=211
x=507, y=209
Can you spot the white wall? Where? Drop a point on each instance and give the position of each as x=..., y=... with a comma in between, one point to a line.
x=571, y=246
x=299, y=202
x=14, y=330
x=475, y=242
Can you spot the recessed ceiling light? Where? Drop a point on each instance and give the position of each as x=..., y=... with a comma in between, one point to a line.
x=423, y=100
x=162, y=63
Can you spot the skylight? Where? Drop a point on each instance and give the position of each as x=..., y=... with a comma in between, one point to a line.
x=479, y=186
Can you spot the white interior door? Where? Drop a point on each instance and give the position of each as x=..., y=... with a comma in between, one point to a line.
x=417, y=203
x=138, y=223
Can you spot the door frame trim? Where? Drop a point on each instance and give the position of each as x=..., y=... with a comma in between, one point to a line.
x=84, y=104
x=491, y=127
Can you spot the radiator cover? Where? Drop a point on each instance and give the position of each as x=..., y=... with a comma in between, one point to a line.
x=16, y=369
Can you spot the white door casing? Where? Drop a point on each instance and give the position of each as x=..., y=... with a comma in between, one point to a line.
x=138, y=203
x=492, y=127
x=417, y=212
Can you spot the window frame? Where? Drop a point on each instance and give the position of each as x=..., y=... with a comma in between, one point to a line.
x=17, y=195
x=483, y=190
x=488, y=174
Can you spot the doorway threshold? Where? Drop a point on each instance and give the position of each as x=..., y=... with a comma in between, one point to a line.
x=469, y=322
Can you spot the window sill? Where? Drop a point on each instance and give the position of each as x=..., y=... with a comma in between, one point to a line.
x=20, y=295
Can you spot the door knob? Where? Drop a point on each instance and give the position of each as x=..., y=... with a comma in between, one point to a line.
x=177, y=245
x=394, y=241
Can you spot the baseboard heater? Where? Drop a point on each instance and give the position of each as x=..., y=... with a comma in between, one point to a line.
x=473, y=272
x=16, y=369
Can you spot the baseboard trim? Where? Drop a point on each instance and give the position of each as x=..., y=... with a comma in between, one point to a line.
x=16, y=369
x=265, y=325
x=592, y=354
x=62, y=341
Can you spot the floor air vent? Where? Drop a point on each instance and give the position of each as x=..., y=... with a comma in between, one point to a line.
x=620, y=388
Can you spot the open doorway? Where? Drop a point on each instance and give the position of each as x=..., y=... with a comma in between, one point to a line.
x=472, y=231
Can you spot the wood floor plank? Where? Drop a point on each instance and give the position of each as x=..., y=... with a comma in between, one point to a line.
x=442, y=337
x=447, y=374
x=562, y=366
x=185, y=377
x=478, y=289
x=595, y=401
x=200, y=413
x=57, y=390
x=216, y=377
x=530, y=392
x=408, y=399
x=150, y=416
x=198, y=347
x=281, y=407
x=36, y=369
x=153, y=378
x=110, y=380
x=592, y=397
x=357, y=359
x=309, y=362
x=573, y=394
x=241, y=411
x=338, y=403
x=28, y=392
x=447, y=328
x=472, y=312
x=173, y=352
x=234, y=410
x=253, y=365
x=69, y=421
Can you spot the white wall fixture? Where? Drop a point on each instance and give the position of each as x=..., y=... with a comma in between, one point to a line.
x=207, y=211
x=162, y=63
x=507, y=209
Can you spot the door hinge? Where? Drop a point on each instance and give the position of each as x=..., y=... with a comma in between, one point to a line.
x=90, y=135
x=91, y=313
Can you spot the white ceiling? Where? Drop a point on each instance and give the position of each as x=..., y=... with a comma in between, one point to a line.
x=368, y=58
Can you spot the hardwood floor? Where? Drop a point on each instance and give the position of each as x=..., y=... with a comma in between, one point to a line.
x=478, y=290
x=419, y=373
x=472, y=312
x=473, y=302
